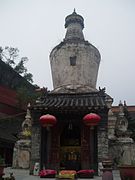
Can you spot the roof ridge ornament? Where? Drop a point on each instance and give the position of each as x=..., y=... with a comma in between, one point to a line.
x=125, y=104
x=74, y=12
x=102, y=90
x=120, y=103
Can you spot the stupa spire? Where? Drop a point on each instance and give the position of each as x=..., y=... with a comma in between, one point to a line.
x=74, y=24
x=74, y=62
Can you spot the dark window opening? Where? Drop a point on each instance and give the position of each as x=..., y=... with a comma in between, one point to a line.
x=71, y=136
x=73, y=61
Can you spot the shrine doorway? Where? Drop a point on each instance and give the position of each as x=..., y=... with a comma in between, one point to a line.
x=70, y=147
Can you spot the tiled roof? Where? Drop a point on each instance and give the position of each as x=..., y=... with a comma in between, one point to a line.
x=129, y=108
x=74, y=101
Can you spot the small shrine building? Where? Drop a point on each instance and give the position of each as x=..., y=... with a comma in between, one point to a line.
x=71, y=143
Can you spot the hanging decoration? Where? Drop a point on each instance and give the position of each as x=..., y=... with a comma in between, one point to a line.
x=47, y=120
x=91, y=119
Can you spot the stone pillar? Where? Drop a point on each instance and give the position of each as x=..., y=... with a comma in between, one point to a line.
x=126, y=151
x=111, y=125
x=102, y=143
x=123, y=151
x=127, y=154
x=48, y=148
x=35, y=146
x=85, y=148
x=55, y=148
x=92, y=146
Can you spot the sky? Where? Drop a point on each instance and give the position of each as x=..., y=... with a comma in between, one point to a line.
x=35, y=27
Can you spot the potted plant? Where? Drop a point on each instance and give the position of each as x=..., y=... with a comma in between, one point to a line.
x=67, y=174
x=47, y=173
x=2, y=165
x=85, y=173
x=127, y=171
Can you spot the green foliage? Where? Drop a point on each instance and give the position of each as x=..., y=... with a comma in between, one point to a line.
x=10, y=56
x=24, y=96
x=20, y=68
x=28, y=76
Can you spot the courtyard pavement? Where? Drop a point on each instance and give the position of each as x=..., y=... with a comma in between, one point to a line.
x=24, y=175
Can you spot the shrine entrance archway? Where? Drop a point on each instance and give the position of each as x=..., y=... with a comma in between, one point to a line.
x=70, y=147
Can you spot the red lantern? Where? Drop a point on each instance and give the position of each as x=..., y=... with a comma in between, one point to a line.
x=91, y=119
x=47, y=120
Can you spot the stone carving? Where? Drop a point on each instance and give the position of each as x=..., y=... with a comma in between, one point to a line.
x=122, y=123
x=122, y=131
x=122, y=147
x=26, y=126
x=22, y=148
x=102, y=145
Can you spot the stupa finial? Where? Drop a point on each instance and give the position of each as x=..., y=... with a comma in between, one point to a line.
x=74, y=12
x=74, y=24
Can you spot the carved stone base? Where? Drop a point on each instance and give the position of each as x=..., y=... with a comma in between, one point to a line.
x=21, y=156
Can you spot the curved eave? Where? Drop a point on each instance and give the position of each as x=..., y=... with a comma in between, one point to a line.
x=72, y=102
